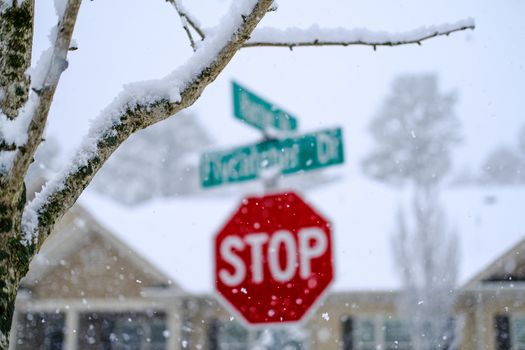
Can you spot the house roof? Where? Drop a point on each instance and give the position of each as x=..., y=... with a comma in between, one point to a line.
x=74, y=231
x=508, y=266
x=176, y=235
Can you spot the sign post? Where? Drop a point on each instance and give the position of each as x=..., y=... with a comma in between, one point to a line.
x=273, y=259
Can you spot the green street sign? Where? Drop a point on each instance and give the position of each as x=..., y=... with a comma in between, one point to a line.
x=307, y=152
x=259, y=113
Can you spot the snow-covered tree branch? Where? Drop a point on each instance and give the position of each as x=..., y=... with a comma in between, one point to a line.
x=316, y=36
x=137, y=107
x=26, y=95
x=187, y=22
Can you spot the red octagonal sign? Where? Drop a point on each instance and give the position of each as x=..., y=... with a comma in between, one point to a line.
x=273, y=258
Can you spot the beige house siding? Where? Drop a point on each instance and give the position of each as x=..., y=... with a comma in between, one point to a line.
x=200, y=313
x=480, y=327
x=475, y=316
x=325, y=323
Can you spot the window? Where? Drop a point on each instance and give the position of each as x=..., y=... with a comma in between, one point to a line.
x=518, y=332
x=122, y=331
x=42, y=331
x=230, y=335
x=364, y=337
x=371, y=332
x=347, y=332
x=397, y=335
x=227, y=335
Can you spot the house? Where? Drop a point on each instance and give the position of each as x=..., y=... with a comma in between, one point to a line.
x=494, y=303
x=91, y=290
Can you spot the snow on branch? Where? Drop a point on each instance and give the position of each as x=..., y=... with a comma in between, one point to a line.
x=187, y=21
x=316, y=36
x=138, y=106
x=28, y=128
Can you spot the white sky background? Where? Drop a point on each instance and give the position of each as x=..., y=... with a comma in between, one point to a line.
x=122, y=41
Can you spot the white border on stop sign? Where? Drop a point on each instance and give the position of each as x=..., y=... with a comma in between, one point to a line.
x=230, y=308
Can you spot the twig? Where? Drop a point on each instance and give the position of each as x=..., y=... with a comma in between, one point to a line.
x=374, y=44
x=187, y=19
x=188, y=33
x=185, y=22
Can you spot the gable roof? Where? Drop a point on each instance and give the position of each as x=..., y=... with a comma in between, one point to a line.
x=76, y=229
x=507, y=267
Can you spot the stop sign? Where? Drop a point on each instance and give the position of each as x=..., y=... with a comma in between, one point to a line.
x=273, y=258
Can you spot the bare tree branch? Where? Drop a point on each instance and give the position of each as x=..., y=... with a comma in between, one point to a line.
x=188, y=33
x=351, y=41
x=186, y=19
x=185, y=25
x=57, y=197
x=193, y=23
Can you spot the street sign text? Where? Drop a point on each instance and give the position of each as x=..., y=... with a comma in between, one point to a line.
x=259, y=113
x=306, y=152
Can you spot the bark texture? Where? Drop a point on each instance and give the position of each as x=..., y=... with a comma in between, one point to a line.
x=16, y=34
x=14, y=263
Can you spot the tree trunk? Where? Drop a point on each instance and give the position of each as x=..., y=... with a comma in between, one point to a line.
x=16, y=34
x=14, y=259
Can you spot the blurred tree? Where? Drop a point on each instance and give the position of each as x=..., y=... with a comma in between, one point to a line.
x=521, y=140
x=160, y=161
x=426, y=255
x=415, y=131
x=505, y=165
x=289, y=338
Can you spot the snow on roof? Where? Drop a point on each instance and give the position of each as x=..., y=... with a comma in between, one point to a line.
x=176, y=235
